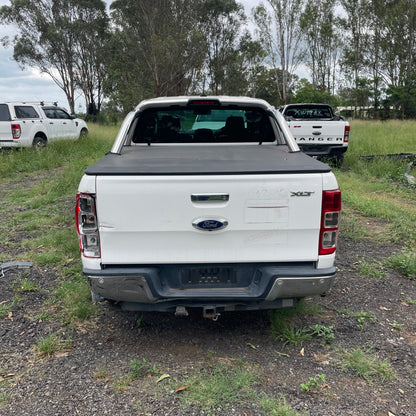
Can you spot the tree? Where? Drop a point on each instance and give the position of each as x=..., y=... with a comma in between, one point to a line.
x=55, y=36
x=279, y=33
x=322, y=42
x=162, y=39
x=220, y=25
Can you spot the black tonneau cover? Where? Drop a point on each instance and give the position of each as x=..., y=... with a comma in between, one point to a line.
x=206, y=160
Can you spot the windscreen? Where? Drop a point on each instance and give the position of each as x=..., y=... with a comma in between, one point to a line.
x=203, y=125
x=308, y=112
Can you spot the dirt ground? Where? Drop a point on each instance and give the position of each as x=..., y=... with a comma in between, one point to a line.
x=84, y=377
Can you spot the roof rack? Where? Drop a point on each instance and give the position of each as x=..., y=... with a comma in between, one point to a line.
x=55, y=103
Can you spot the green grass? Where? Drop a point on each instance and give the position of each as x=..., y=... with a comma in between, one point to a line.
x=52, y=344
x=270, y=406
x=38, y=198
x=378, y=202
x=219, y=387
x=75, y=299
x=405, y=262
x=367, y=365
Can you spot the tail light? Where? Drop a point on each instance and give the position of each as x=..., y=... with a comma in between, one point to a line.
x=87, y=225
x=331, y=209
x=346, y=134
x=16, y=131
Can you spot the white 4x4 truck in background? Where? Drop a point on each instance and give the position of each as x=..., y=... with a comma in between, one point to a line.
x=317, y=130
x=227, y=216
x=28, y=124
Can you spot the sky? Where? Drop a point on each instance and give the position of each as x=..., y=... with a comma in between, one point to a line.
x=30, y=85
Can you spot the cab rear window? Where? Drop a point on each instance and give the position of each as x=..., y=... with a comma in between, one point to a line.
x=203, y=125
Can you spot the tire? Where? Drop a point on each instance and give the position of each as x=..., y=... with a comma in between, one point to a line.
x=83, y=133
x=337, y=160
x=39, y=142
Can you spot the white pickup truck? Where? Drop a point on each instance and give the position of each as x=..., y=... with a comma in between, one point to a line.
x=29, y=124
x=317, y=130
x=226, y=217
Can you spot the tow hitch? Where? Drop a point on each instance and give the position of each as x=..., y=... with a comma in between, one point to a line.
x=210, y=312
x=5, y=267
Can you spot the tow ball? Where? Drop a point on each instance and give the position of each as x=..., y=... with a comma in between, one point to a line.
x=211, y=313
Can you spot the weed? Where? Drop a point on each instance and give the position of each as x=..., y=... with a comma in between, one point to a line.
x=405, y=262
x=362, y=317
x=367, y=366
x=25, y=285
x=51, y=344
x=397, y=326
x=370, y=269
x=313, y=383
x=140, y=322
x=283, y=329
x=219, y=387
x=4, y=397
x=75, y=299
x=323, y=332
x=136, y=367
x=270, y=406
x=44, y=316
x=5, y=310
x=102, y=373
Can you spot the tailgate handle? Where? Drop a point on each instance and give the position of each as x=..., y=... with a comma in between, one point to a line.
x=316, y=133
x=211, y=197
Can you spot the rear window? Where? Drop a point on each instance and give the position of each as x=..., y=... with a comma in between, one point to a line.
x=25, y=111
x=4, y=112
x=308, y=112
x=203, y=125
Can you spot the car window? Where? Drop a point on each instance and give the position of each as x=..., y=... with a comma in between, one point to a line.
x=4, y=112
x=203, y=125
x=308, y=111
x=62, y=114
x=25, y=111
x=49, y=112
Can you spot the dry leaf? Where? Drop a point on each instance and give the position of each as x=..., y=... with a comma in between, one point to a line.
x=282, y=353
x=302, y=352
x=383, y=308
x=391, y=414
x=181, y=389
x=251, y=346
x=321, y=358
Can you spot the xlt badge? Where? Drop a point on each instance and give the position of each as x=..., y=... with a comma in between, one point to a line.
x=301, y=193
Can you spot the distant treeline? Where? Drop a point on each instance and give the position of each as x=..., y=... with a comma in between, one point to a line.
x=359, y=53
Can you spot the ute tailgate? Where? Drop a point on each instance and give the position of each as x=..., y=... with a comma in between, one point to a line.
x=149, y=219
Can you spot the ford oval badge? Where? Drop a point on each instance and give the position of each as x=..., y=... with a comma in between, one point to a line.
x=210, y=224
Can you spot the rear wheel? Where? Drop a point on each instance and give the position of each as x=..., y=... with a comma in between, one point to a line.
x=39, y=142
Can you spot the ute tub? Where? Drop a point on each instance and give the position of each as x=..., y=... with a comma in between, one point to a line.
x=219, y=285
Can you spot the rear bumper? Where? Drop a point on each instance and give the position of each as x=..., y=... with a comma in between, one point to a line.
x=323, y=150
x=247, y=286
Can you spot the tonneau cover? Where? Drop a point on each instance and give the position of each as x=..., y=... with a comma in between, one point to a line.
x=206, y=160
